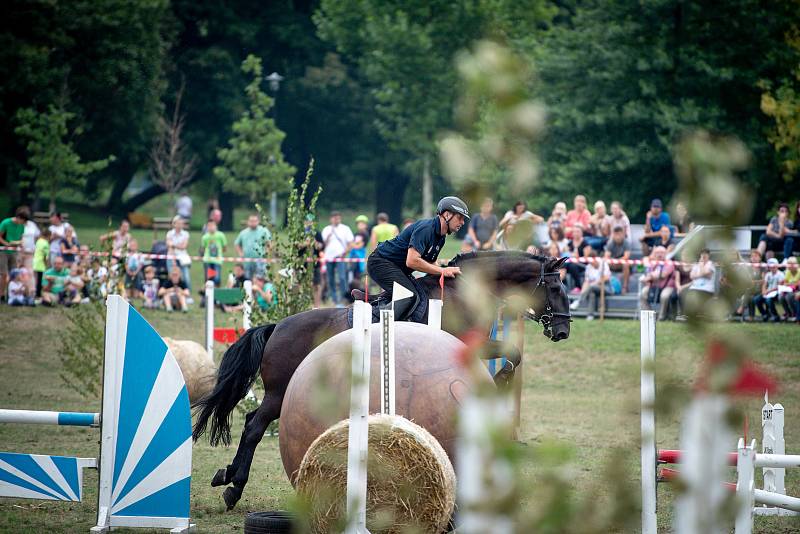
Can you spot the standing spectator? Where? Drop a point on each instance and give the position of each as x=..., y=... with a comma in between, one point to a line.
x=29, y=237
x=175, y=292
x=618, y=248
x=658, y=283
x=134, y=263
x=41, y=254
x=600, y=222
x=358, y=248
x=556, y=219
x=701, y=288
x=597, y=274
x=11, y=231
x=619, y=218
x=383, y=231
x=120, y=238
x=778, y=236
x=58, y=226
x=791, y=279
x=183, y=207
x=578, y=248
x=150, y=288
x=337, y=238
x=177, y=249
x=408, y=221
x=482, y=228
x=213, y=245
x=519, y=217
x=578, y=216
x=252, y=242
x=682, y=220
x=656, y=218
x=19, y=294
x=213, y=215
x=69, y=247
x=55, y=280
x=766, y=300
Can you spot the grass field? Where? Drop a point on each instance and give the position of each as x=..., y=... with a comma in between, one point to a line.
x=582, y=393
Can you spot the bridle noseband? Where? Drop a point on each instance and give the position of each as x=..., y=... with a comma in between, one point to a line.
x=549, y=318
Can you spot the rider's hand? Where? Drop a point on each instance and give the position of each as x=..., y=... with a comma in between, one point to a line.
x=451, y=272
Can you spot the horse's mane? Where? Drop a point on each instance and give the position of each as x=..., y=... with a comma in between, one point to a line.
x=512, y=265
x=496, y=255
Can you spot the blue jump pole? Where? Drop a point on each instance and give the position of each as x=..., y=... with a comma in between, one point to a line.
x=35, y=417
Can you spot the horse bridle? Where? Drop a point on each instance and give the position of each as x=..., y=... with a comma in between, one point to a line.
x=549, y=318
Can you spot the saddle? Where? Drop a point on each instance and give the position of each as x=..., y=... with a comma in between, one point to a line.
x=382, y=300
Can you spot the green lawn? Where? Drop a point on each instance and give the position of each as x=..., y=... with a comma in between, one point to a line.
x=583, y=393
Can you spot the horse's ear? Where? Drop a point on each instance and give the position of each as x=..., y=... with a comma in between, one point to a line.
x=559, y=262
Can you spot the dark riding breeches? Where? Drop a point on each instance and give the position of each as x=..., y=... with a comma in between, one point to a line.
x=384, y=273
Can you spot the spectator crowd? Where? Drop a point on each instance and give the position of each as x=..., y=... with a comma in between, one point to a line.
x=49, y=265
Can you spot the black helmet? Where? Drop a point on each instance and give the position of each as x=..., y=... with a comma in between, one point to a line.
x=453, y=205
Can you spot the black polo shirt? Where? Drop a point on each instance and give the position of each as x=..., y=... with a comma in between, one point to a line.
x=423, y=235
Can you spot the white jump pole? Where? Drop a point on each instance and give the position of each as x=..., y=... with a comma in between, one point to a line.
x=32, y=417
x=358, y=433
x=387, y=362
x=247, y=304
x=210, y=318
x=435, y=313
x=648, y=424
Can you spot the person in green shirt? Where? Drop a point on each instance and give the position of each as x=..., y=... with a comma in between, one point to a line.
x=383, y=231
x=11, y=230
x=252, y=242
x=55, y=278
x=41, y=252
x=214, y=244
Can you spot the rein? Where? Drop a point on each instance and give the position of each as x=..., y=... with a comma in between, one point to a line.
x=549, y=317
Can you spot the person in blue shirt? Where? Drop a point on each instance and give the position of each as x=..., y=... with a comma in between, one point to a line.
x=656, y=218
x=416, y=249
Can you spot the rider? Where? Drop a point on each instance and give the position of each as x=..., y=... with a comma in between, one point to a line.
x=416, y=249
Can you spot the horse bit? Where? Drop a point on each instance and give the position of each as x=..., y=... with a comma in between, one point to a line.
x=547, y=319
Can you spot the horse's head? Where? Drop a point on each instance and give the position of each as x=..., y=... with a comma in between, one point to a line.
x=550, y=302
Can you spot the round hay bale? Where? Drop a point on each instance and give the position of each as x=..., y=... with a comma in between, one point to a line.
x=411, y=485
x=197, y=367
x=430, y=384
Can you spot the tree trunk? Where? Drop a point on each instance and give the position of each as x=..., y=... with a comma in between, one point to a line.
x=135, y=201
x=124, y=176
x=427, y=189
x=226, y=205
x=389, y=194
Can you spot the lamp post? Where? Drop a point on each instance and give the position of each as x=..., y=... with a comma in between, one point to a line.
x=274, y=80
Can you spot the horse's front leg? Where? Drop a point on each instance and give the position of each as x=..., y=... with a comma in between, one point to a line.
x=504, y=378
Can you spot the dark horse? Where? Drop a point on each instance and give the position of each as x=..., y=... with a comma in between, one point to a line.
x=277, y=349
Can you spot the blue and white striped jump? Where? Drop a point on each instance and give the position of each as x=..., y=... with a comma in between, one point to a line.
x=32, y=417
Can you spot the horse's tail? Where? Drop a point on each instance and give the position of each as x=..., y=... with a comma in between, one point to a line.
x=237, y=372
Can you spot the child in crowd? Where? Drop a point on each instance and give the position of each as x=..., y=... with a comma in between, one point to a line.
x=133, y=269
x=18, y=291
x=55, y=280
x=73, y=289
x=769, y=292
x=174, y=291
x=41, y=253
x=98, y=276
x=69, y=246
x=214, y=245
x=264, y=292
x=237, y=277
x=791, y=299
x=150, y=288
x=618, y=248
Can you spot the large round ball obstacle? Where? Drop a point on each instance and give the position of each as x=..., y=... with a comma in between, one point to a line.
x=430, y=384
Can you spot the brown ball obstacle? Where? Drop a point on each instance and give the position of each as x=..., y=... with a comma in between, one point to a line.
x=411, y=484
x=430, y=385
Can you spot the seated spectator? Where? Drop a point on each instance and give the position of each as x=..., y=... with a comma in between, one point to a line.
x=264, y=292
x=558, y=216
x=482, y=228
x=237, y=276
x=789, y=300
x=701, y=288
x=174, y=292
x=655, y=219
x=19, y=293
x=55, y=279
x=578, y=248
x=766, y=300
x=98, y=280
x=597, y=274
x=517, y=226
x=213, y=246
x=746, y=308
x=134, y=263
x=779, y=234
x=618, y=248
x=383, y=231
x=150, y=288
x=41, y=255
x=84, y=258
x=552, y=250
x=579, y=216
x=682, y=221
x=619, y=218
x=665, y=238
x=69, y=246
x=600, y=222
x=73, y=289
x=658, y=283
x=120, y=238
x=555, y=235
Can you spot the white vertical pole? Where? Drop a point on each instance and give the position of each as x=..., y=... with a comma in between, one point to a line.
x=358, y=434
x=210, y=318
x=247, y=305
x=745, y=487
x=435, y=313
x=648, y=424
x=387, y=363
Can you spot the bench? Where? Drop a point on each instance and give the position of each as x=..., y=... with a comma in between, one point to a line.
x=161, y=223
x=43, y=217
x=228, y=296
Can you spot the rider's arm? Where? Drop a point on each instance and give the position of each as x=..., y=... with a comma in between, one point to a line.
x=414, y=261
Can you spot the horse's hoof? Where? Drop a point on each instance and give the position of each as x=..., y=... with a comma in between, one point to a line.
x=219, y=478
x=231, y=497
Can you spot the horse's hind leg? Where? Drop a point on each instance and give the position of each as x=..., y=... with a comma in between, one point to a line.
x=268, y=411
x=223, y=476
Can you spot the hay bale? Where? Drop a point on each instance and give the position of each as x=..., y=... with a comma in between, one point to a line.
x=411, y=484
x=197, y=367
